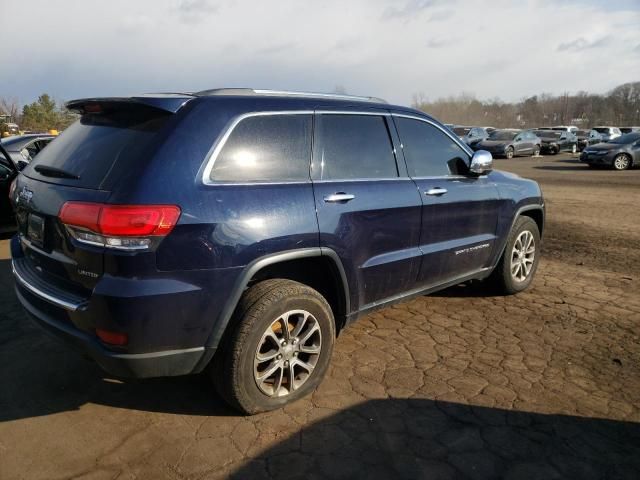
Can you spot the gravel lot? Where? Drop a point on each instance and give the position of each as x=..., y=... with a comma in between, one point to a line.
x=458, y=384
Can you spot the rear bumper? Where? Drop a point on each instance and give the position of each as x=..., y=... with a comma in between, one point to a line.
x=142, y=365
x=155, y=315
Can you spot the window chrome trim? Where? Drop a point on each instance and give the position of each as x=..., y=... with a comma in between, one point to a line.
x=459, y=142
x=222, y=140
x=381, y=113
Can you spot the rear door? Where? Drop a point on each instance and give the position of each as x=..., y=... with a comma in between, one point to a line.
x=368, y=210
x=459, y=212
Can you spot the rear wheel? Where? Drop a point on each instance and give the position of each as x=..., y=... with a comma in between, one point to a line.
x=622, y=161
x=519, y=262
x=278, y=348
x=509, y=152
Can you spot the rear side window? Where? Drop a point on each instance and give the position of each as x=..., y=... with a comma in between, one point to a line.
x=429, y=151
x=266, y=148
x=98, y=145
x=353, y=147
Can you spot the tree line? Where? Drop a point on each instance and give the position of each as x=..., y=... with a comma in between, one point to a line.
x=39, y=116
x=619, y=107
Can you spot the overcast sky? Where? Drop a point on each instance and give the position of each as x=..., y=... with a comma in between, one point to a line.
x=386, y=48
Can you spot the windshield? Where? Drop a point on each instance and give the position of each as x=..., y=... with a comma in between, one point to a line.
x=503, y=135
x=601, y=129
x=628, y=138
x=461, y=131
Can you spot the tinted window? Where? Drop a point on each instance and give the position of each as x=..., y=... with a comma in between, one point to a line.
x=266, y=148
x=429, y=151
x=353, y=146
x=99, y=145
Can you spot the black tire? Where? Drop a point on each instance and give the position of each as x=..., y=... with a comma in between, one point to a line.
x=233, y=367
x=536, y=151
x=622, y=161
x=508, y=152
x=502, y=277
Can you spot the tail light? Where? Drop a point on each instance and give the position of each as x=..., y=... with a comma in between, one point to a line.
x=123, y=227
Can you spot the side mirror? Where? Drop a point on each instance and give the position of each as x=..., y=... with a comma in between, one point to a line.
x=481, y=163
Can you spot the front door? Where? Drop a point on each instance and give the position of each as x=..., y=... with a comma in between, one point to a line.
x=368, y=210
x=459, y=211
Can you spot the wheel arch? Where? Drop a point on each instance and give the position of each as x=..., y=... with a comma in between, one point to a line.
x=318, y=268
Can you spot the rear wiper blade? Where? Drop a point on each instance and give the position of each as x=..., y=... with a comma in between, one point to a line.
x=54, y=172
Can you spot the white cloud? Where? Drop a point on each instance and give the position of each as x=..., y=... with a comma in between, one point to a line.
x=384, y=48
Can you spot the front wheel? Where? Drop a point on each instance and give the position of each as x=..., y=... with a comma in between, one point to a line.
x=278, y=348
x=621, y=162
x=574, y=148
x=514, y=273
x=536, y=151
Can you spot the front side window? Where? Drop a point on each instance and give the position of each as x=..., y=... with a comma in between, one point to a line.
x=266, y=148
x=429, y=151
x=353, y=147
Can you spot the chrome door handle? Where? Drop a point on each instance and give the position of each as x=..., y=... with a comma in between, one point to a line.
x=339, y=197
x=436, y=191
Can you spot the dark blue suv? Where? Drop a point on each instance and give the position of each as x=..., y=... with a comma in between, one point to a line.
x=239, y=231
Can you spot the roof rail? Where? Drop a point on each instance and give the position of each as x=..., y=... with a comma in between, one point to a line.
x=284, y=93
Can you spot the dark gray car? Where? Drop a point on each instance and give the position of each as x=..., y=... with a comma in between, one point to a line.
x=510, y=143
x=620, y=153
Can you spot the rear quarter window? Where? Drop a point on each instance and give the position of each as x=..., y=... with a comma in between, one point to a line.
x=265, y=148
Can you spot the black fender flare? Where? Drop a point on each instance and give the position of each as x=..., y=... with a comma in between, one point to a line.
x=518, y=214
x=258, y=264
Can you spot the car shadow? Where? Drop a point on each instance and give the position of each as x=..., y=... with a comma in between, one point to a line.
x=427, y=439
x=40, y=375
x=570, y=164
x=387, y=438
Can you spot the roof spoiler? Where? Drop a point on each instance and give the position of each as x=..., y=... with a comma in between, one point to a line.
x=166, y=102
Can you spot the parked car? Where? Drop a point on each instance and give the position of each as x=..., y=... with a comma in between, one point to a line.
x=8, y=172
x=471, y=135
x=555, y=141
x=586, y=138
x=509, y=143
x=565, y=128
x=629, y=129
x=620, y=153
x=450, y=126
x=22, y=148
x=286, y=218
x=608, y=133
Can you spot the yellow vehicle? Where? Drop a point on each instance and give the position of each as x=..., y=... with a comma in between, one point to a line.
x=7, y=127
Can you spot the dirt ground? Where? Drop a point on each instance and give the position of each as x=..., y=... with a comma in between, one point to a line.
x=460, y=384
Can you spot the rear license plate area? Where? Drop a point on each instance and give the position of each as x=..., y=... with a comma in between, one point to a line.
x=35, y=229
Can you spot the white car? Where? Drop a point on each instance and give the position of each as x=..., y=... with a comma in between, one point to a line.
x=608, y=133
x=565, y=128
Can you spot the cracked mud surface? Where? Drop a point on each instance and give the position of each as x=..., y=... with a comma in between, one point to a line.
x=460, y=384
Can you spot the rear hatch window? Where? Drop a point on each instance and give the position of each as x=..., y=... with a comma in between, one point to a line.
x=99, y=147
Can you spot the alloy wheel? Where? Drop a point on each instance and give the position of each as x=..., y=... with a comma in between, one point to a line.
x=621, y=162
x=522, y=256
x=287, y=353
